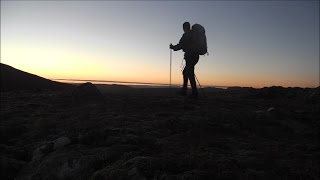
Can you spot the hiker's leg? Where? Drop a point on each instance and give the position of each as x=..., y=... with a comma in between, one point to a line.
x=184, y=72
x=185, y=79
x=193, y=82
x=194, y=60
x=189, y=74
x=183, y=90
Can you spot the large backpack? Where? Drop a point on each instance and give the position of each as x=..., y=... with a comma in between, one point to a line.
x=199, y=40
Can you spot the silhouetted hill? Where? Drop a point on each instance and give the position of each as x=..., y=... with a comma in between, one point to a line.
x=14, y=79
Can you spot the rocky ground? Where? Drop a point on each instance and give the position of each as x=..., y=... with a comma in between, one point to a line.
x=142, y=134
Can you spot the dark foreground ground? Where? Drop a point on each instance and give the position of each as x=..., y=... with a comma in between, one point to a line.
x=142, y=134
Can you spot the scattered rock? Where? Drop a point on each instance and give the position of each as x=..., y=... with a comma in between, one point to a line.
x=272, y=92
x=271, y=109
x=70, y=169
x=313, y=96
x=64, y=164
x=50, y=147
x=61, y=142
x=112, y=174
x=277, y=112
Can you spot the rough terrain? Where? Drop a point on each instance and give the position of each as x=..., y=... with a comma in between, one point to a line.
x=234, y=133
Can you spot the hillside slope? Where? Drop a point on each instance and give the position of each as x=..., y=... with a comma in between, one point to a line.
x=14, y=79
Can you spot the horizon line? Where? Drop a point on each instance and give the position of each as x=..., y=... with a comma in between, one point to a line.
x=133, y=82
x=167, y=84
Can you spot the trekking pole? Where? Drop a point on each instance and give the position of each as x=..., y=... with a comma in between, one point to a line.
x=200, y=86
x=170, y=66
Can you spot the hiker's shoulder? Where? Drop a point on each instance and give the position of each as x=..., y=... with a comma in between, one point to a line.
x=186, y=35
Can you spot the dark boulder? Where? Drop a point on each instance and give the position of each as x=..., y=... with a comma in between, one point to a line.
x=87, y=92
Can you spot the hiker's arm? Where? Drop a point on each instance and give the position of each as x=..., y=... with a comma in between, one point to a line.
x=175, y=47
x=181, y=43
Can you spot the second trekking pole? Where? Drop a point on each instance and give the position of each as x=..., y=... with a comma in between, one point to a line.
x=200, y=86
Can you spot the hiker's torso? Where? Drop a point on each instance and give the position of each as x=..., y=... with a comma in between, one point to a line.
x=186, y=41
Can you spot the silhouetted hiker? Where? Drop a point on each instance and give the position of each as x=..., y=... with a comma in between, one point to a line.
x=191, y=58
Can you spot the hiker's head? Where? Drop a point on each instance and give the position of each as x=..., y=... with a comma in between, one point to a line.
x=186, y=26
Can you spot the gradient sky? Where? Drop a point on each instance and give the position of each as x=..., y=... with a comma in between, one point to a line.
x=251, y=43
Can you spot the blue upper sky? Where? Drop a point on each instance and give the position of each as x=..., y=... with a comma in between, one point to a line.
x=251, y=43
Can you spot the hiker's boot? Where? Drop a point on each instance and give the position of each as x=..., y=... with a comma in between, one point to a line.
x=194, y=94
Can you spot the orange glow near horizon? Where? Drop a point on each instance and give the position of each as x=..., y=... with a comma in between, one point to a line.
x=65, y=64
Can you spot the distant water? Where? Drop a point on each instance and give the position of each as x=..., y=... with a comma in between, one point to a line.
x=131, y=84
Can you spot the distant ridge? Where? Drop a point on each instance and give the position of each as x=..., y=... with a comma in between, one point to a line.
x=14, y=79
